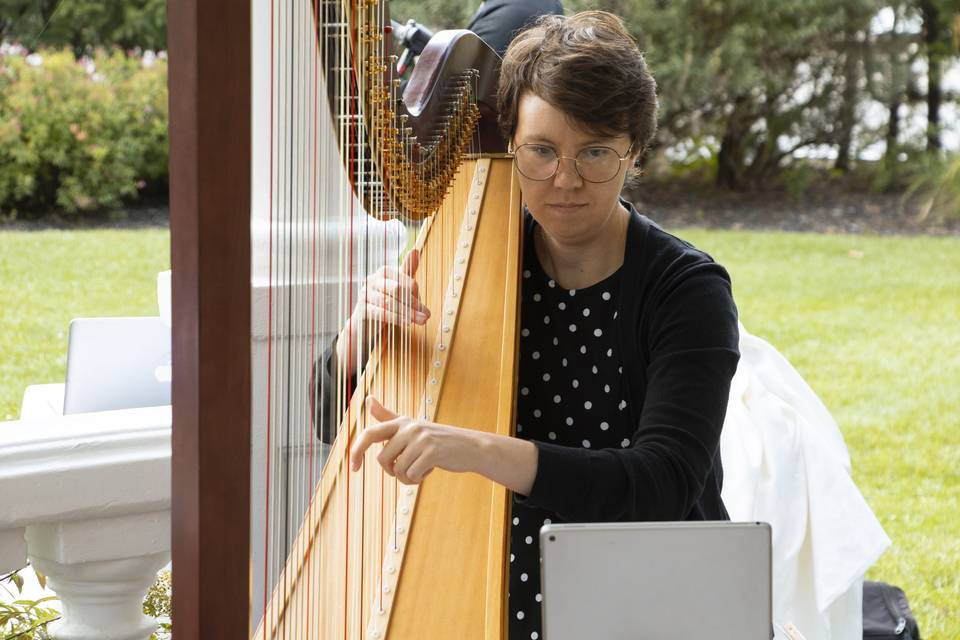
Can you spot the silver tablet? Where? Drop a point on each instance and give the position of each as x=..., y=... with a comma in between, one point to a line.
x=656, y=581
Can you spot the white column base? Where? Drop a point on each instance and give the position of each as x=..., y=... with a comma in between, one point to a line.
x=102, y=600
x=101, y=570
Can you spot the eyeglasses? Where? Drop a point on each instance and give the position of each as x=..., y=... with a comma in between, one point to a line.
x=594, y=164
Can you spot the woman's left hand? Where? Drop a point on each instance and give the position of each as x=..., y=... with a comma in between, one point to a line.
x=414, y=448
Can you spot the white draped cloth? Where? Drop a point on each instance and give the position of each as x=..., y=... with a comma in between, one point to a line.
x=785, y=463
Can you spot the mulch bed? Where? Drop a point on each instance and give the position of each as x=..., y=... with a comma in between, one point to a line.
x=818, y=211
x=671, y=205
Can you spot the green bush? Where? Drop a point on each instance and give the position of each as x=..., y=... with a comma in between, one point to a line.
x=937, y=184
x=79, y=135
x=24, y=619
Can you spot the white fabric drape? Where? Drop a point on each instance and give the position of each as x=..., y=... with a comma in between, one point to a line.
x=785, y=462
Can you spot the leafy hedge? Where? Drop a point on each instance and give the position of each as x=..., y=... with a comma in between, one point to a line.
x=80, y=135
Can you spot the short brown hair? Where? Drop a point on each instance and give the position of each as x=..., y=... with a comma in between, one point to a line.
x=588, y=66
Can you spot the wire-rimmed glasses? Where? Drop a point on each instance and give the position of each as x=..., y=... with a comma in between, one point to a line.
x=594, y=164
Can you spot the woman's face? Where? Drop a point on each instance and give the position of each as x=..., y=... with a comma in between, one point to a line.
x=569, y=208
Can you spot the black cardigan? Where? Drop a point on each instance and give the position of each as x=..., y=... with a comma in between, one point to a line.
x=677, y=316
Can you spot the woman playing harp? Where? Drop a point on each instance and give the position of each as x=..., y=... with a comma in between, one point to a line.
x=628, y=337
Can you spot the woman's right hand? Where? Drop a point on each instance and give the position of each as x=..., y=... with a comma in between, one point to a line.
x=390, y=295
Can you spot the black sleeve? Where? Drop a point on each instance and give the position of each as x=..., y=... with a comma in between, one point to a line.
x=323, y=397
x=692, y=339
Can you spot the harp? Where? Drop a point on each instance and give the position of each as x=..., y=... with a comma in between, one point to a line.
x=287, y=126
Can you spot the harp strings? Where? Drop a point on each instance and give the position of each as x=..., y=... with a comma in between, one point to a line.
x=342, y=159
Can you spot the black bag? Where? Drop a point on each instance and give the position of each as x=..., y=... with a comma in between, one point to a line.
x=886, y=613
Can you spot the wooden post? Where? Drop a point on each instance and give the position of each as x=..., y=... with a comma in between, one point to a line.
x=209, y=67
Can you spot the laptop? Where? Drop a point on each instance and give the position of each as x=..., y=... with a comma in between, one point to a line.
x=117, y=363
x=656, y=581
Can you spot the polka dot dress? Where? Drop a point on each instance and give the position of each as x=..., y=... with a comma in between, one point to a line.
x=570, y=393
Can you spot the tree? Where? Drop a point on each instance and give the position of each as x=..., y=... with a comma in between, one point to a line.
x=84, y=24
x=755, y=80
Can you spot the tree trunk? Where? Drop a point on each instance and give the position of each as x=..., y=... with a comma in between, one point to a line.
x=848, y=108
x=730, y=156
x=893, y=133
x=932, y=36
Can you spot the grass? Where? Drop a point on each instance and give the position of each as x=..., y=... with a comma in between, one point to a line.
x=872, y=323
x=49, y=277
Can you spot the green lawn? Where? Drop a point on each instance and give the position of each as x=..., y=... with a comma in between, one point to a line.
x=49, y=277
x=872, y=323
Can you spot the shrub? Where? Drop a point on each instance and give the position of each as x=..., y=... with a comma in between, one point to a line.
x=938, y=186
x=24, y=619
x=79, y=135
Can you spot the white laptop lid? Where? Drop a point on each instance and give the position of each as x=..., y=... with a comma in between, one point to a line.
x=117, y=363
x=656, y=581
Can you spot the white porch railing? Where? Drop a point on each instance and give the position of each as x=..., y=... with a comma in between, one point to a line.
x=86, y=500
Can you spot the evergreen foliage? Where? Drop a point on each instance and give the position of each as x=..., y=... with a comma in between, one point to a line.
x=84, y=25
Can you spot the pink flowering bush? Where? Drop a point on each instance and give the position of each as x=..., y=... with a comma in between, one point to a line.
x=79, y=135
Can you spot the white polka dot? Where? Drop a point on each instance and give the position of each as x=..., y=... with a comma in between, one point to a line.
x=575, y=383
x=525, y=332
x=551, y=284
x=556, y=399
x=547, y=521
x=516, y=521
x=537, y=413
x=598, y=332
x=606, y=295
x=536, y=297
x=555, y=342
x=535, y=355
x=619, y=369
x=519, y=428
x=586, y=444
x=552, y=435
x=587, y=404
x=586, y=312
x=525, y=391
x=546, y=319
x=524, y=577
x=609, y=352
x=534, y=635
x=583, y=348
x=625, y=442
x=564, y=362
x=569, y=422
x=512, y=557
x=519, y=615
x=526, y=273
x=562, y=306
x=622, y=405
x=573, y=292
x=573, y=328
x=606, y=388
x=604, y=426
x=539, y=597
x=546, y=377
x=614, y=315
x=594, y=368
x=528, y=539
